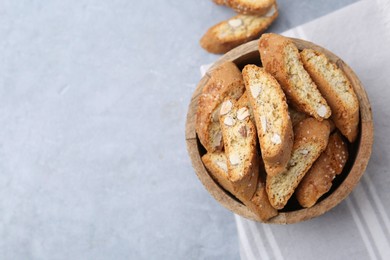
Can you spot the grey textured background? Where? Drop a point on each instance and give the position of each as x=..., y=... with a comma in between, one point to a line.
x=93, y=99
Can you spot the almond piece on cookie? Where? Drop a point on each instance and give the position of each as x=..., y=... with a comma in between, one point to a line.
x=281, y=58
x=244, y=101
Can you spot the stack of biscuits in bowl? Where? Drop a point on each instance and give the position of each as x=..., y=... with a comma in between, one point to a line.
x=274, y=133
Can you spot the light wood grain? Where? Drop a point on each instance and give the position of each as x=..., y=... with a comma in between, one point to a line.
x=247, y=54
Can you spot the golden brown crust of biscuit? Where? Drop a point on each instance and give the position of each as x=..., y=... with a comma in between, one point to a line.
x=318, y=180
x=240, y=140
x=273, y=123
x=311, y=138
x=224, y=81
x=337, y=90
x=239, y=29
x=281, y=58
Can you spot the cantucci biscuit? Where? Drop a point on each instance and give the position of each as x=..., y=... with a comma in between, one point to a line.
x=239, y=29
x=281, y=58
x=318, y=180
x=239, y=138
x=224, y=81
x=273, y=123
x=337, y=90
x=311, y=138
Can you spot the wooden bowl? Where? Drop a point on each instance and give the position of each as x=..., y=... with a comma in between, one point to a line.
x=344, y=183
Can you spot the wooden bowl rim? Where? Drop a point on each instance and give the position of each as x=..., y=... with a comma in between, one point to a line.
x=353, y=177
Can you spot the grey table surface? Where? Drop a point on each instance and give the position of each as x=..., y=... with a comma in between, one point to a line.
x=93, y=100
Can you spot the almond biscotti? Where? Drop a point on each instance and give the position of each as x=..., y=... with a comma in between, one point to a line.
x=255, y=7
x=318, y=180
x=273, y=123
x=239, y=138
x=216, y=164
x=224, y=81
x=281, y=58
x=311, y=138
x=337, y=90
x=239, y=29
